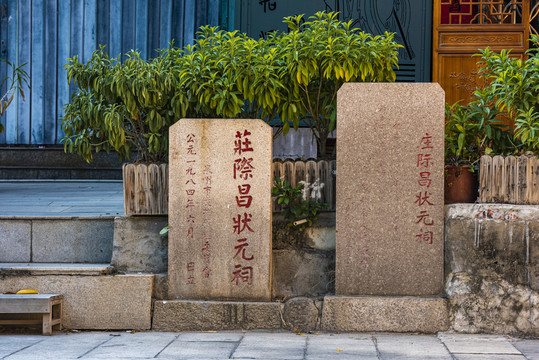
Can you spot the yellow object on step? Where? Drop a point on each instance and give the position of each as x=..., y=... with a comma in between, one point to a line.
x=27, y=291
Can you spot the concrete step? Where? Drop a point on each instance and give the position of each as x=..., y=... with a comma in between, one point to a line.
x=51, y=162
x=47, y=172
x=55, y=269
x=94, y=302
x=56, y=240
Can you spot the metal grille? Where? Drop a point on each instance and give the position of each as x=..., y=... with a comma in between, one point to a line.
x=534, y=17
x=481, y=12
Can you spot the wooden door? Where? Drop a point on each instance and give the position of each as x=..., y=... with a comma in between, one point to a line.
x=461, y=27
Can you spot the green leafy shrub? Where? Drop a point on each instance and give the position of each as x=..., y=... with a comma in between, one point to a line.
x=514, y=85
x=125, y=106
x=284, y=79
x=292, y=76
x=298, y=212
x=318, y=57
x=230, y=75
x=474, y=130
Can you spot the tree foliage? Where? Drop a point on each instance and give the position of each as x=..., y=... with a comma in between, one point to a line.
x=322, y=54
x=514, y=85
x=122, y=106
x=474, y=130
x=284, y=79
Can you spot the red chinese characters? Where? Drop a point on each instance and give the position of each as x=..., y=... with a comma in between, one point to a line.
x=243, y=167
x=197, y=210
x=423, y=198
x=191, y=170
x=190, y=273
x=207, y=174
x=244, y=200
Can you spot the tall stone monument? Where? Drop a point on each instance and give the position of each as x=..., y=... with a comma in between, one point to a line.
x=390, y=201
x=220, y=209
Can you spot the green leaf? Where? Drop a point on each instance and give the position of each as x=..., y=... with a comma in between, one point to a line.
x=460, y=143
x=286, y=128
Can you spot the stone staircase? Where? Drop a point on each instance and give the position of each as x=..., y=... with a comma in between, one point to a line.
x=52, y=162
x=72, y=256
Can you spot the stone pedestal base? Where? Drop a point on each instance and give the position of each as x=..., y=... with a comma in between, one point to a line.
x=384, y=313
x=172, y=315
x=94, y=302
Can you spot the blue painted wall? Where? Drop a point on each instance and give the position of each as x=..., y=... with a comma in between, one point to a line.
x=44, y=33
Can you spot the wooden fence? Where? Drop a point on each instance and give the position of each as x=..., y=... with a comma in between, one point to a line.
x=318, y=178
x=512, y=180
x=146, y=187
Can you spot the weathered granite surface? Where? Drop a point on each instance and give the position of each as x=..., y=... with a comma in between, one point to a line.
x=297, y=314
x=15, y=241
x=53, y=240
x=220, y=209
x=94, y=302
x=490, y=304
x=302, y=273
x=138, y=247
x=494, y=239
x=294, y=273
x=175, y=315
x=319, y=236
x=384, y=313
x=302, y=314
x=80, y=240
x=390, y=213
x=492, y=267
x=160, y=287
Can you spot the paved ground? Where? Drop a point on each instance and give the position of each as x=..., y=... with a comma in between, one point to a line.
x=61, y=198
x=264, y=345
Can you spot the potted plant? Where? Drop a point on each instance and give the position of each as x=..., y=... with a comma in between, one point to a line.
x=126, y=107
x=513, y=84
x=471, y=131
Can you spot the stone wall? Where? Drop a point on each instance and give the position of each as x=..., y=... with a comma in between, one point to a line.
x=303, y=261
x=492, y=268
x=56, y=240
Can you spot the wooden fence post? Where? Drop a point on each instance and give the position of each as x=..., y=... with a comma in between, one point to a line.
x=485, y=178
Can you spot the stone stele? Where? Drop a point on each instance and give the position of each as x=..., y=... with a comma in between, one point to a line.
x=390, y=201
x=220, y=210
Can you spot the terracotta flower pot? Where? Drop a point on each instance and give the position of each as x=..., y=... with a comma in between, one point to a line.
x=461, y=185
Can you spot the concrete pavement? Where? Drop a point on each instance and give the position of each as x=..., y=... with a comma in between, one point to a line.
x=61, y=198
x=278, y=345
